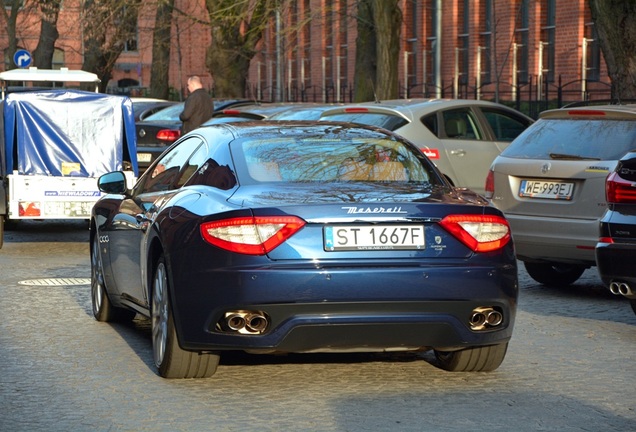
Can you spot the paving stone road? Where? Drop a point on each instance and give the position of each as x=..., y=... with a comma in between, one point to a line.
x=571, y=366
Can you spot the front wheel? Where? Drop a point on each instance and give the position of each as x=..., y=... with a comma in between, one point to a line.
x=170, y=359
x=103, y=310
x=479, y=359
x=554, y=274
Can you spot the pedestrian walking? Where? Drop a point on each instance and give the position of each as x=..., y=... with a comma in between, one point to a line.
x=198, y=106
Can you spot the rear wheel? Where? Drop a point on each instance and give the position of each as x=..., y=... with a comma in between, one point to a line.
x=103, y=310
x=554, y=274
x=170, y=359
x=479, y=359
x=633, y=305
x=1, y=231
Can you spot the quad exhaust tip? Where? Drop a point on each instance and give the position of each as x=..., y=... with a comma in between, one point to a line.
x=244, y=322
x=485, y=318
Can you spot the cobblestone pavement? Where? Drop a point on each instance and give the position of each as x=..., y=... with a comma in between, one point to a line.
x=570, y=366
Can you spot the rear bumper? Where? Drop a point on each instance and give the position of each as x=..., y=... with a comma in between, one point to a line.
x=615, y=263
x=554, y=239
x=346, y=309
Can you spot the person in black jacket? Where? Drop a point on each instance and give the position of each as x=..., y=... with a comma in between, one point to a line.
x=198, y=106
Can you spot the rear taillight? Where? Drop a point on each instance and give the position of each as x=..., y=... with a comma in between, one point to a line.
x=619, y=191
x=168, y=135
x=490, y=184
x=481, y=233
x=251, y=235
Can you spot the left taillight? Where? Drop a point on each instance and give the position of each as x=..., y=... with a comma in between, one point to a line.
x=481, y=233
x=251, y=235
x=618, y=190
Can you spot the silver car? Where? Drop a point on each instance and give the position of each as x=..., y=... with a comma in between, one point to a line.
x=550, y=183
x=462, y=137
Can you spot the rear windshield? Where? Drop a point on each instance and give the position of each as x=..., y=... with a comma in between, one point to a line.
x=330, y=160
x=565, y=138
x=386, y=121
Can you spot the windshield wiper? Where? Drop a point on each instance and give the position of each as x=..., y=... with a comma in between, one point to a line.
x=571, y=156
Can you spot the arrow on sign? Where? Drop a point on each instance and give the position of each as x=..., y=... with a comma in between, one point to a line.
x=23, y=59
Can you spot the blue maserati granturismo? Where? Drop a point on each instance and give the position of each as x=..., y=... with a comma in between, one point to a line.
x=301, y=237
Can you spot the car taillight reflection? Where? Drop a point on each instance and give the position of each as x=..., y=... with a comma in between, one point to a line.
x=168, y=135
x=251, y=235
x=619, y=191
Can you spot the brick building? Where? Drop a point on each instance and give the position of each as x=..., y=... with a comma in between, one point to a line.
x=514, y=50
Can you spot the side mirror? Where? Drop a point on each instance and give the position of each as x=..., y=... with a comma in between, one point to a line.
x=112, y=183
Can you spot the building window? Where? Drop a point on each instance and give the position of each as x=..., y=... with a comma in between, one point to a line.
x=485, y=42
x=522, y=40
x=592, y=53
x=548, y=30
x=58, y=59
x=463, y=41
x=410, y=55
x=431, y=42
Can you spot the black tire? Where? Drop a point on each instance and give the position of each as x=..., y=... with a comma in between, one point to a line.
x=172, y=361
x=103, y=310
x=1, y=231
x=479, y=359
x=632, y=303
x=554, y=274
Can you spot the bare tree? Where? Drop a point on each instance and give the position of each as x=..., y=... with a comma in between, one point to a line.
x=43, y=54
x=107, y=26
x=615, y=22
x=377, y=49
x=237, y=26
x=159, y=75
x=9, y=12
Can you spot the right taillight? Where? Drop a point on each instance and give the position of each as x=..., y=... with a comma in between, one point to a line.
x=619, y=191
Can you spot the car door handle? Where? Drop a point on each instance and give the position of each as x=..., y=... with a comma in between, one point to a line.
x=460, y=152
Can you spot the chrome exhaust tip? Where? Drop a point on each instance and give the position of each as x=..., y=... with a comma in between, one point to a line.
x=244, y=322
x=614, y=288
x=484, y=318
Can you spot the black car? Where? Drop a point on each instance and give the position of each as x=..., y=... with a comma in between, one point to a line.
x=157, y=131
x=279, y=237
x=616, y=248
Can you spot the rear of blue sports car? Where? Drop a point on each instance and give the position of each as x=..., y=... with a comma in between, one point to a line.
x=326, y=248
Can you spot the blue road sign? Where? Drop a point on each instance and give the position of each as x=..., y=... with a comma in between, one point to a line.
x=22, y=58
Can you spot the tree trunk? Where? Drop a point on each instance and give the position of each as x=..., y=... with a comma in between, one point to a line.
x=387, y=18
x=159, y=75
x=43, y=54
x=236, y=28
x=365, y=71
x=615, y=22
x=10, y=17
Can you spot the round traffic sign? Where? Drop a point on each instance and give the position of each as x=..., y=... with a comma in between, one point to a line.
x=22, y=58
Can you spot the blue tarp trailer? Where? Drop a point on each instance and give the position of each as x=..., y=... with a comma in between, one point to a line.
x=55, y=144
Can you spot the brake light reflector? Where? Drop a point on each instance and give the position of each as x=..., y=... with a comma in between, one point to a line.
x=168, y=134
x=481, y=233
x=251, y=235
x=28, y=208
x=618, y=190
x=586, y=113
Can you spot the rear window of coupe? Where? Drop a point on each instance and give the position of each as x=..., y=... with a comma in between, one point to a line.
x=329, y=160
x=382, y=120
x=580, y=138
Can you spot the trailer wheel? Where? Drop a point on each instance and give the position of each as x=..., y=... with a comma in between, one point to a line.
x=1, y=230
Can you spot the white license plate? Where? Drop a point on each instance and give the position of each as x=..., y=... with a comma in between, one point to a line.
x=373, y=237
x=144, y=157
x=546, y=189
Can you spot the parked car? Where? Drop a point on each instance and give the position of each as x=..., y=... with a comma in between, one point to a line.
x=462, y=137
x=616, y=248
x=550, y=183
x=158, y=131
x=302, y=237
x=305, y=111
x=250, y=112
x=144, y=107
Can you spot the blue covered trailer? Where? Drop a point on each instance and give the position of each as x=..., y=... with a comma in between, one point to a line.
x=55, y=144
